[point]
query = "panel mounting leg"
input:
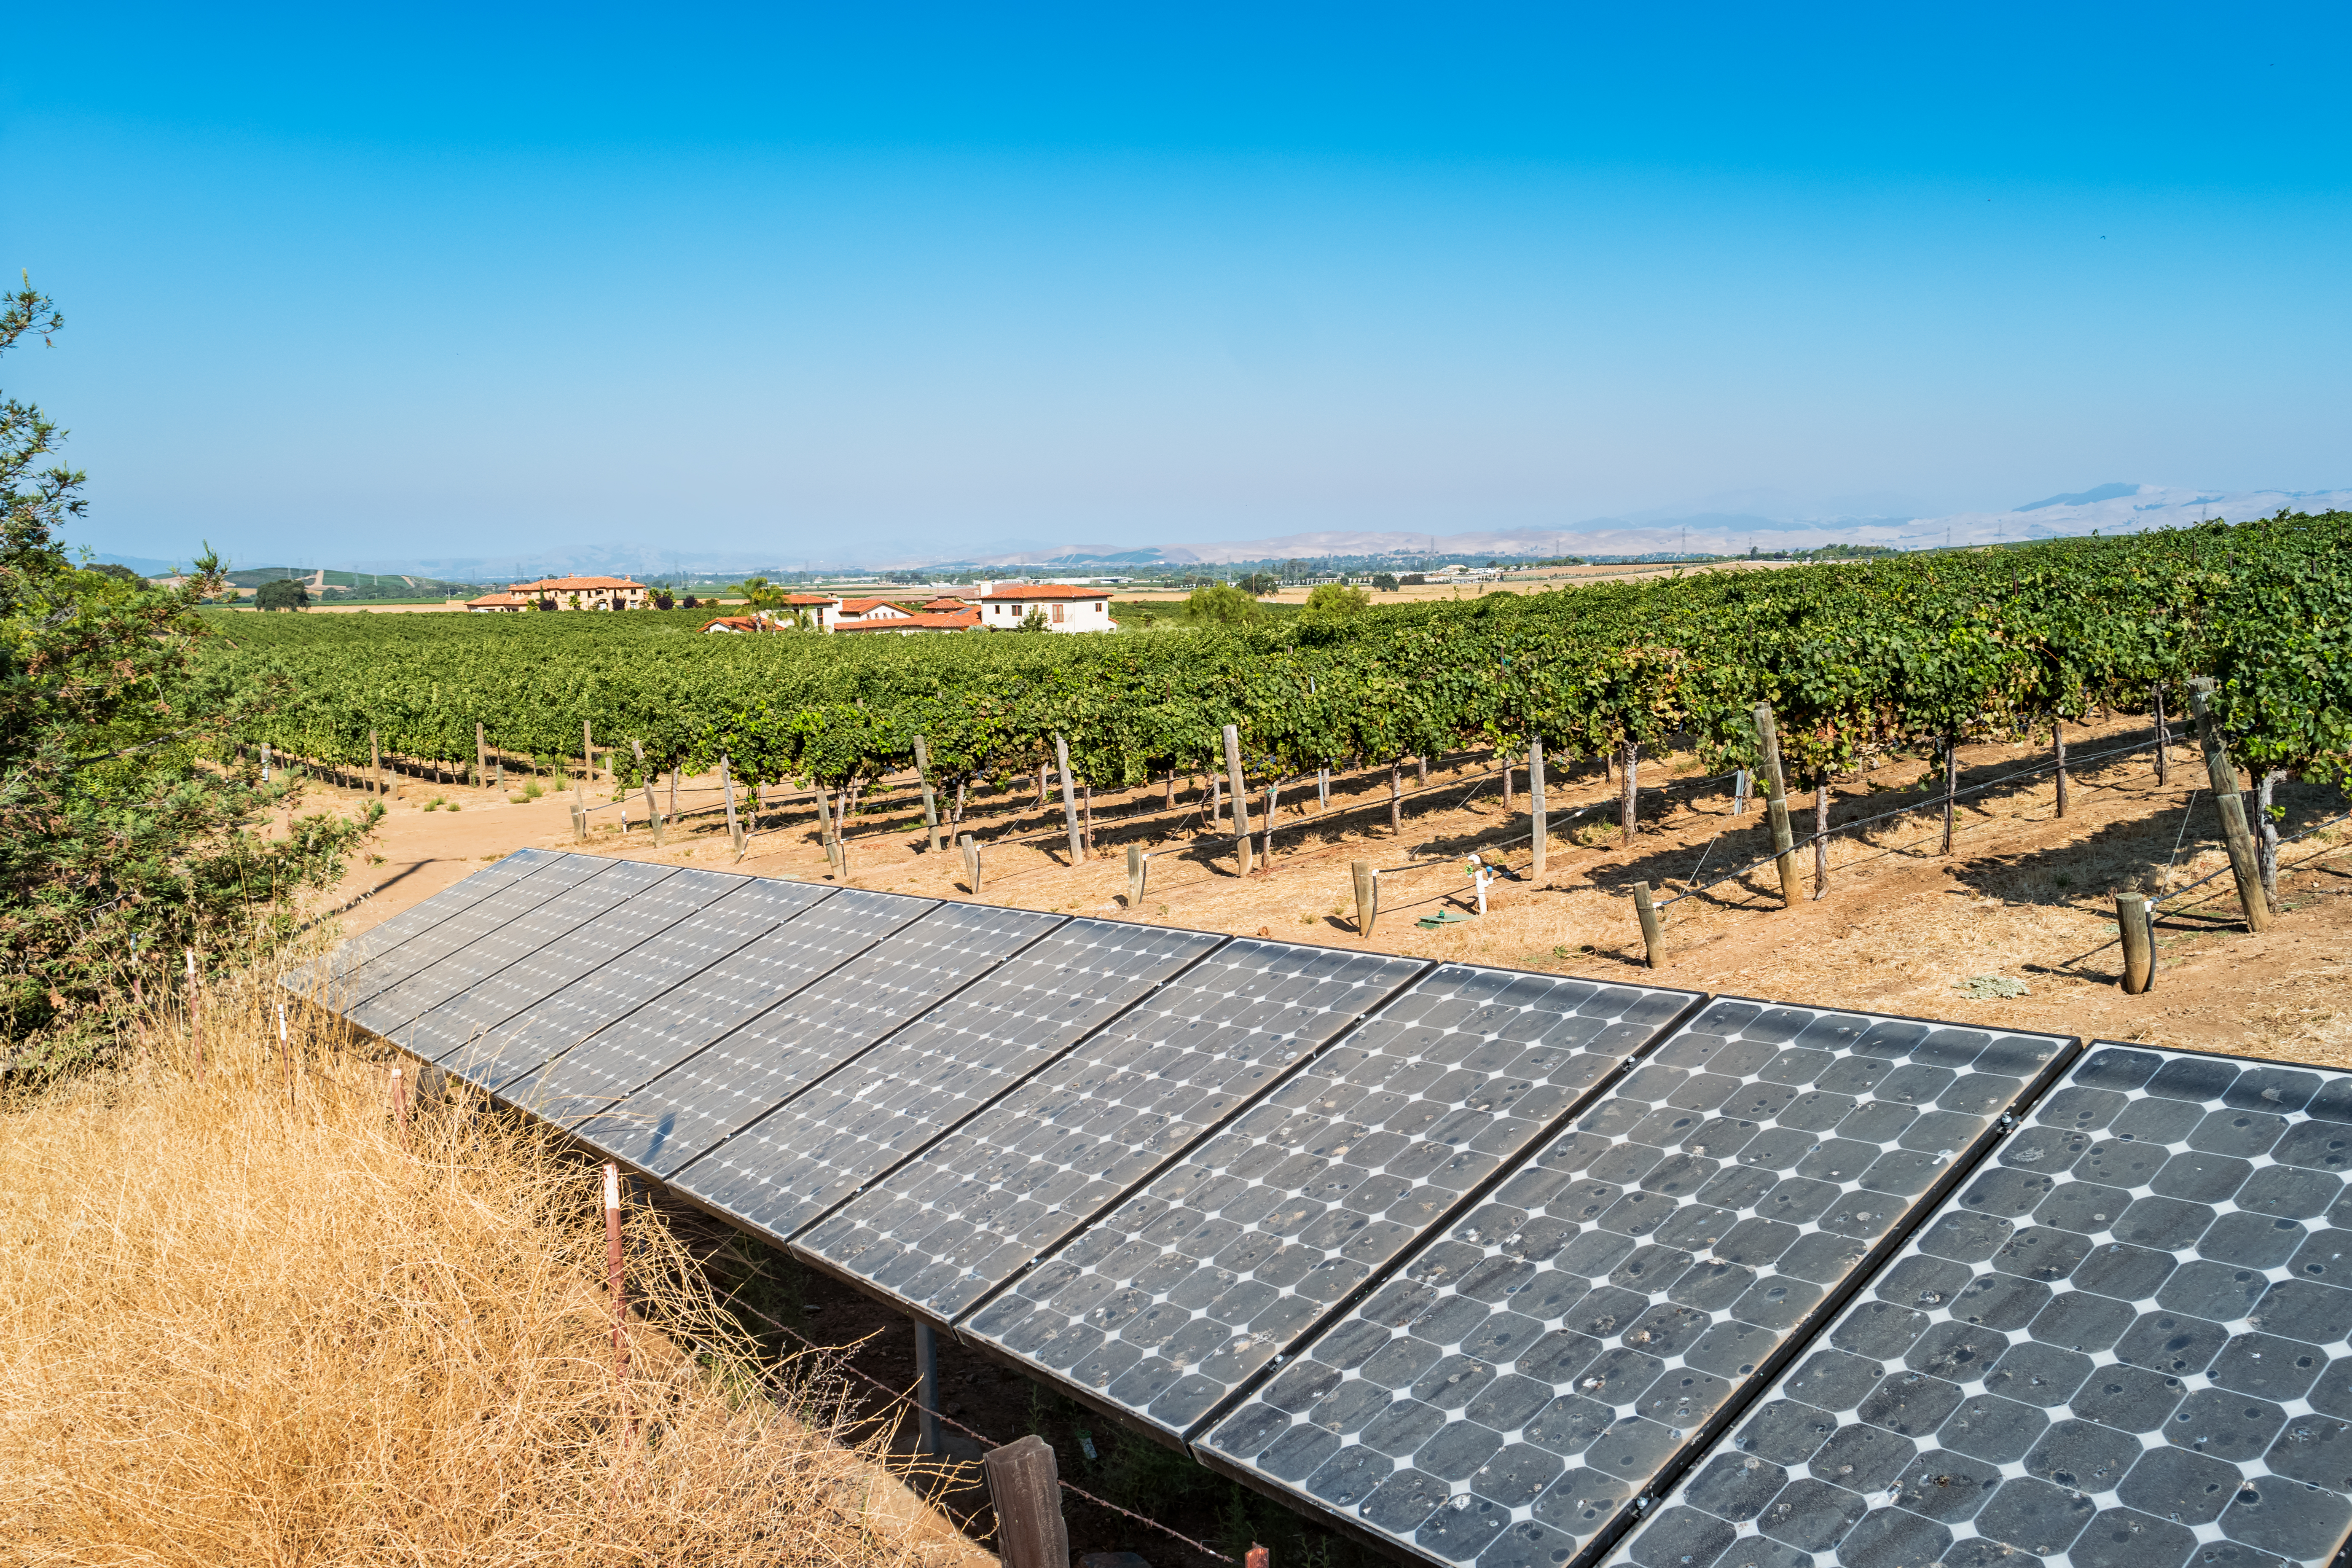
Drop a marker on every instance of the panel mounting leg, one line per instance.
(927, 1388)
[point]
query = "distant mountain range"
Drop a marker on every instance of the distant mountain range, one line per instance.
(2105, 509)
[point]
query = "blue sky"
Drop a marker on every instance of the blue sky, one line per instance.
(850, 282)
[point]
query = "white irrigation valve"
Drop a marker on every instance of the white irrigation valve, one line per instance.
(1481, 873)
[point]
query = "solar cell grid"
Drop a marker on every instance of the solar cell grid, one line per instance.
(373, 976)
(509, 937)
(469, 1033)
(2127, 1339)
(697, 1105)
(820, 1147)
(333, 972)
(1507, 1395)
(983, 1201)
(1187, 1290)
(586, 1086)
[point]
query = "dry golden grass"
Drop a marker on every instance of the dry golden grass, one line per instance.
(244, 1326)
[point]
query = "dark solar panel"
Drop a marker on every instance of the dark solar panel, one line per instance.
(469, 1033)
(2126, 1340)
(583, 1088)
(509, 901)
(692, 1109)
(982, 1203)
(602, 1000)
(1528, 1373)
(509, 939)
(1169, 1303)
(327, 979)
(823, 1145)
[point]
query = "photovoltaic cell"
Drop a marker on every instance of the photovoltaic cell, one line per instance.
(600, 1010)
(821, 1146)
(694, 1107)
(469, 1033)
(1184, 1292)
(509, 939)
(327, 979)
(2126, 1340)
(1528, 1373)
(509, 902)
(982, 1203)
(589, 1085)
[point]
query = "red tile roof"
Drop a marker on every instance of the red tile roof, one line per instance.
(868, 606)
(951, 621)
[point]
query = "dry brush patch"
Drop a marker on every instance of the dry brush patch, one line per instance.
(245, 1324)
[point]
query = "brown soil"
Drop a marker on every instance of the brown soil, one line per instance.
(2026, 895)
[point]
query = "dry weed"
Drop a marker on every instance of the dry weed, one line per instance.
(245, 1325)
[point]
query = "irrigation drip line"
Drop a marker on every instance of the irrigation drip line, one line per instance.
(834, 1355)
(1933, 803)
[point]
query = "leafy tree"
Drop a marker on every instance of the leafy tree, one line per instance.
(285, 594)
(691, 603)
(120, 572)
(664, 601)
(1336, 602)
(1384, 581)
(1220, 605)
(128, 827)
(1257, 585)
(1035, 621)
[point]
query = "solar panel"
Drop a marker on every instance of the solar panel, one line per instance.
(496, 939)
(982, 1203)
(326, 979)
(1528, 1373)
(1187, 1290)
(821, 1146)
(696, 1106)
(509, 901)
(467, 1034)
(2127, 1339)
(583, 1088)
(602, 1000)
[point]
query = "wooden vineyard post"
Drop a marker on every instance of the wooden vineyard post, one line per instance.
(838, 803)
(1240, 796)
(1273, 798)
(2139, 941)
(1137, 863)
(2058, 741)
(1367, 896)
(1396, 798)
(1069, 799)
(971, 846)
(727, 784)
(1776, 803)
(1628, 792)
(375, 764)
(481, 757)
(1653, 940)
(1322, 789)
(1421, 763)
(2244, 867)
(930, 803)
(1087, 816)
(1539, 824)
(1027, 1491)
(644, 778)
(580, 811)
(1951, 783)
(1821, 834)
(587, 752)
(1504, 759)
(2156, 702)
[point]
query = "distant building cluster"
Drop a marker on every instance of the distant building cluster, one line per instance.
(997, 606)
(565, 594)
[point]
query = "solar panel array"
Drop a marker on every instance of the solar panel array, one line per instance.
(1506, 1396)
(1477, 1264)
(2127, 1339)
